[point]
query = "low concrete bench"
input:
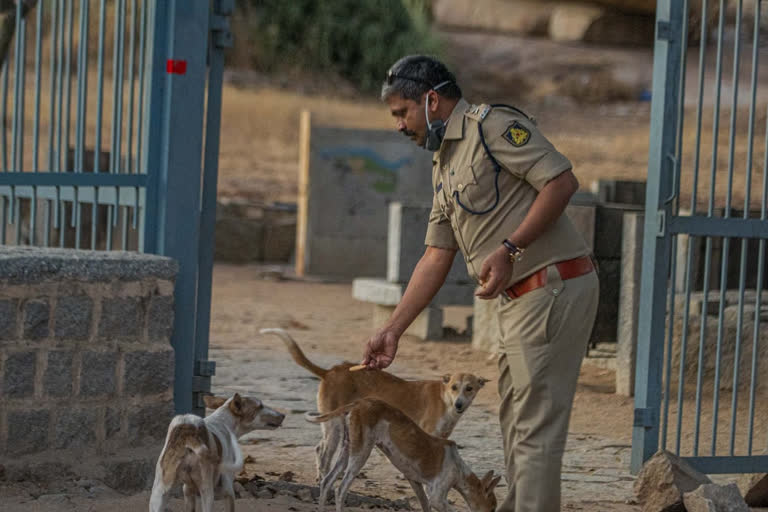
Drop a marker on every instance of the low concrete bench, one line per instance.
(407, 229)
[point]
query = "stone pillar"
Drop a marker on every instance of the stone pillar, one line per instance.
(629, 302)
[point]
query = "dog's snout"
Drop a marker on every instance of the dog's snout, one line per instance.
(459, 405)
(276, 419)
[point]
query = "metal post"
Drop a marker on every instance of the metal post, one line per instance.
(173, 161)
(657, 240)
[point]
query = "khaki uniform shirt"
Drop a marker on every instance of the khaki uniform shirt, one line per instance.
(471, 213)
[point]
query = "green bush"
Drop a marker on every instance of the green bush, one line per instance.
(358, 39)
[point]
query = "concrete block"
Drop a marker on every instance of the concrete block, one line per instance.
(385, 293)
(583, 219)
(427, 326)
(32, 265)
(72, 318)
(485, 325)
(406, 231)
(149, 421)
(238, 240)
(279, 239)
(629, 302)
(8, 314)
(36, 319)
(27, 431)
(725, 498)
(98, 373)
(121, 318)
(19, 378)
(608, 226)
(57, 381)
(626, 192)
(663, 481)
(112, 423)
(74, 429)
(160, 317)
(148, 373)
(129, 476)
(353, 176)
(606, 322)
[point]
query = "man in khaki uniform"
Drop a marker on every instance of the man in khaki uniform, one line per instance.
(500, 191)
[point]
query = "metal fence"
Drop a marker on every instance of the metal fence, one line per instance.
(111, 112)
(72, 144)
(702, 335)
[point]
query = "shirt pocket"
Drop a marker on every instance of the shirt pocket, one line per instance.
(475, 189)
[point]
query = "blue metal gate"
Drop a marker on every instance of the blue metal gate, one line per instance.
(123, 157)
(700, 337)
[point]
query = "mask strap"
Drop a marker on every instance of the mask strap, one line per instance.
(426, 100)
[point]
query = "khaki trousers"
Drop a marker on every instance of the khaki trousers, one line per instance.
(543, 338)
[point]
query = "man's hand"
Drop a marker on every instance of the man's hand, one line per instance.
(380, 350)
(495, 274)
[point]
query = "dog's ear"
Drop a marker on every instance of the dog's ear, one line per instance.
(236, 405)
(486, 479)
(446, 378)
(482, 381)
(213, 402)
(490, 486)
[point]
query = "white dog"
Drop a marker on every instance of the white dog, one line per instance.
(201, 452)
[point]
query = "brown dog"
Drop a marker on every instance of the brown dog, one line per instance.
(435, 405)
(424, 460)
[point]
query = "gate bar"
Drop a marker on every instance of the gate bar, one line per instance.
(656, 249)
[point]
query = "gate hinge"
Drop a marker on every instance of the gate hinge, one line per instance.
(220, 32)
(645, 418)
(205, 368)
(661, 223)
(664, 30)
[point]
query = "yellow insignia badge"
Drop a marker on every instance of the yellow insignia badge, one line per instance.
(517, 134)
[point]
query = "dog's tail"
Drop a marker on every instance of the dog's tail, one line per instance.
(296, 352)
(316, 417)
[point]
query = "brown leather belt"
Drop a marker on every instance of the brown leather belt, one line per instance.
(568, 269)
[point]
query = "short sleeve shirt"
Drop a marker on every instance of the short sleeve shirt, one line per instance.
(480, 200)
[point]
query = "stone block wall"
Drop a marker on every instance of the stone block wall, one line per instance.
(86, 365)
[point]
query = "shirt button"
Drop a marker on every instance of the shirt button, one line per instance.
(555, 292)
(460, 187)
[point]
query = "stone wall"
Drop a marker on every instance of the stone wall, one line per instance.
(86, 365)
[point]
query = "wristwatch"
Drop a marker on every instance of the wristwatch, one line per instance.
(515, 252)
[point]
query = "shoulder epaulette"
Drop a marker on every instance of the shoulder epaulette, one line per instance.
(477, 112)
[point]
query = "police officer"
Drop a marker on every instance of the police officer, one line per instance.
(500, 191)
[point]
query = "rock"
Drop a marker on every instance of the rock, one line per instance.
(663, 481)
(524, 17)
(305, 495)
(287, 476)
(715, 498)
(58, 500)
(265, 494)
(239, 489)
(594, 24)
(754, 488)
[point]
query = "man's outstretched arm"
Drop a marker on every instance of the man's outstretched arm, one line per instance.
(427, 278)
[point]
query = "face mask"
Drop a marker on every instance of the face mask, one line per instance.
(436, 128)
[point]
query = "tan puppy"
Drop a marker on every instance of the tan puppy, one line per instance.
(201, 452)
(423, 459)
(435, 405)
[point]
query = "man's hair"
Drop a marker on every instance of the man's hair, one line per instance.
(412, 76)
